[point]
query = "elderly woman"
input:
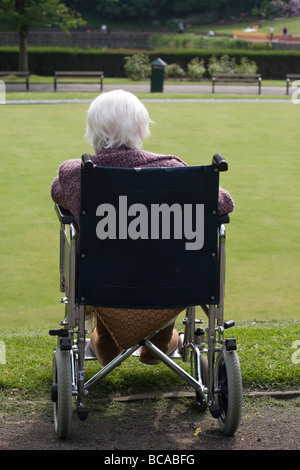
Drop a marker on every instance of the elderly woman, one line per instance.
(117, 124)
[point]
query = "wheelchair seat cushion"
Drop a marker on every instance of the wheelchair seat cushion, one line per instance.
(129, 326)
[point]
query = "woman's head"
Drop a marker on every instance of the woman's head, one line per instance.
(117, 118)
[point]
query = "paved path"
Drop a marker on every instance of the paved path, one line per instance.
(145, 88)
(278, 93)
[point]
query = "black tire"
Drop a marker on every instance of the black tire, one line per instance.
(228, 380)
(62, 384)
(204, 377)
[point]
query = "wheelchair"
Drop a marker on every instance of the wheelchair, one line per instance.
(167, 250)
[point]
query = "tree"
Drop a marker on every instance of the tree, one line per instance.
(21, 15)
(145, 11)
(293, 8)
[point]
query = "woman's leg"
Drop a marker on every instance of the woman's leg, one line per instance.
(103, 344)
(166, 340)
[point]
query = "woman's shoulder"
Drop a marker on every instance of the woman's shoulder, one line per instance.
(130, 158)
(70, 168)
(161, 160)
(73, 164)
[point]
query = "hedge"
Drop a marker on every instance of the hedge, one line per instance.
(44, 61)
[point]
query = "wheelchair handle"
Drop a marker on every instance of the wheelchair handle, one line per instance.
(87, 163)
(220, 162)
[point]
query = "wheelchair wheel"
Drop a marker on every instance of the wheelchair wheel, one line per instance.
(204, 376)
(228, 382)
(61, 393)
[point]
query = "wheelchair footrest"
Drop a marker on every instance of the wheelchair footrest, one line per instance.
(215, 410)
(82, 412)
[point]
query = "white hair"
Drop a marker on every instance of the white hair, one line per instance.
(117, 118)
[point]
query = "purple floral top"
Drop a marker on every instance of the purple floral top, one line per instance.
(65, 189)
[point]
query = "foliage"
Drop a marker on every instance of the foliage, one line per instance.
(137, 66)
(173, 11)
(196, 69)
(246, 66)
(192, 20)
(277, 9)
(293, 8)
(23, 14)
(271, 65)
(196, 41)
(173, 71)
(225, 64)
(169, 12)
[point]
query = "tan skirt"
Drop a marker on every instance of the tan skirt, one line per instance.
(129, 326)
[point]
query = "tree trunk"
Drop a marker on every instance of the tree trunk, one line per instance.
(23, 54)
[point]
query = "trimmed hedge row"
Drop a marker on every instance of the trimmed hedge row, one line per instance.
(44, 61)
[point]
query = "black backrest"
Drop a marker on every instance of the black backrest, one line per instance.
(148, 237)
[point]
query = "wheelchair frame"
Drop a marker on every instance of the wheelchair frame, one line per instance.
(215, 369)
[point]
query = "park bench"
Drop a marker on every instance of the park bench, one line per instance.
(12, 77)
(291, 78)
(78, 75)
(240, 78)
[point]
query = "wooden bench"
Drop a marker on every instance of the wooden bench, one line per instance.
(17, 75)
(240, 78)
(79, 75)
(291, 78)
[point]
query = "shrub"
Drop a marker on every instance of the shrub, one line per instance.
(196, 69)
(196, 41)
(174, 71)
(246, 66)
(293, 8)
(137, 67)
(276, 8)
(272, 65)
(225, 64)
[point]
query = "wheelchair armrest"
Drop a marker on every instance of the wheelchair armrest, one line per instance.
(64, 216)
(223, 219)
(86, 162)
(220, 162)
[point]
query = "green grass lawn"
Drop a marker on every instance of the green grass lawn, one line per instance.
(259, 140)
(292, 24)
(260, 143)
(28, 370)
